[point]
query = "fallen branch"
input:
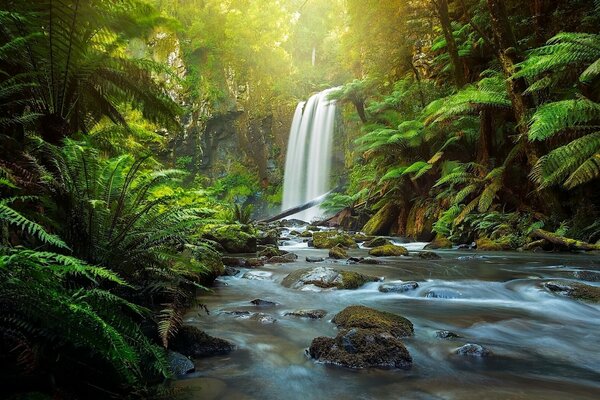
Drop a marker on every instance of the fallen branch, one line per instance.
(290, 211)
(558, 240)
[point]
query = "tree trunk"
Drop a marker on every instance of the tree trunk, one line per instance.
(457, 65)
(486, 131)
(360, 109)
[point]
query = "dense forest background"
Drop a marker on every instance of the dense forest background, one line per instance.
(133, 129)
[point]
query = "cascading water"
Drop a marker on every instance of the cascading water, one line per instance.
(308, 158)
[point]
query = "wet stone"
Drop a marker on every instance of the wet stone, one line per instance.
(231, 271)
(398, 287)
(428, 255)
(314, 259)
(473, 350)
(312, 314)
(446, 335)
(263, 303)
(257, 275)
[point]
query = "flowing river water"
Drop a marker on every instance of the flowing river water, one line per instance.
(544, 346)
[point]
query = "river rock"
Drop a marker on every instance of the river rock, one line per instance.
(486, 244)
(439, 243)
(326, 277)
(428, 255)
(312, 314)
(233, 261)
(585, 275)
(231, 271)
(367, 338)
(234, 238)
(473, 350)
(388, 250)
(369, 261)
(378, 241)
(270, 251)
(179, 364)
(263, 303)
(192, 342)
(446, 335)
(338, 253)
(398, 287)
(329, 239)
(207, 263)
(575, 290)
(252, 316)
(254, 262)
(268, 237)
(443, 293)
(287, 258)
(314, 259)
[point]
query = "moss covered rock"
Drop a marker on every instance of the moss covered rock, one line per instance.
(377, 242)
(486, 244)
(361, 348)
(233, 238)
(338, 253)
(382, 221)
(439, 242)
(329, 239)
(325, 277)
(388, 250)
(369, 318)
(575, 290)
(270, 251)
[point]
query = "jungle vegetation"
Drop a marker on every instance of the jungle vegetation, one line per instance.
(463, 118)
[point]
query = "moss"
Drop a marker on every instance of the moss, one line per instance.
(354, 280)
(378, 241)
(327, 240)
(382, 221)
(207, 262)
(575, 290)
(369, 318)
(388, 250)
(270, 251)
(338, 253)
(439, 242)
(306, 234)
(487, 244)
(234, 238)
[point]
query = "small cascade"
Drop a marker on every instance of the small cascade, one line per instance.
(308, 158)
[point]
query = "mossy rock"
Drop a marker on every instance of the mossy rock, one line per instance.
(382, 221)
(575, 290)
(388, 250)
(270, 251)
(439, 242)
(329, 239)
(306, 234)
(192, 342)
(378, 241)
(233, 238)
(361, 348)
(486, 244)
(338, 253)
(326, 277)
(369, 318)
(206, 262)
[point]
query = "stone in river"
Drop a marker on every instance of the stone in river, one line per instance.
(398, 287)
(314, 259)
(473, 350)
(446, 335)
(312, 314)
(263, 303)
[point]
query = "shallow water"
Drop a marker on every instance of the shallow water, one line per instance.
(544, 346)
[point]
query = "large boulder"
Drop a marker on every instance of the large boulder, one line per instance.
(179, 364)
(234, 238)
(378, 241)
(326, 277)
(367, 338)
(329, 239)
(388, 250)
(486, 244)
(192, 342)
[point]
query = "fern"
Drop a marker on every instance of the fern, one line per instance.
(553, 118)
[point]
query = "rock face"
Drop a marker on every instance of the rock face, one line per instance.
(312, 314)
(473, 350)
(233, 238)
(367, 338)
(398, 287)
(388, 250)
(378, 241)
(325, 277)
(329, 239)
(439, 242)
(575, 290)
(193, 342)
(338, 253)
(179, 364)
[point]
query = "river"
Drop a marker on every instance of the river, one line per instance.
(544, 346)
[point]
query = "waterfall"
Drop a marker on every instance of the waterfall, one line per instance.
(308, 157)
